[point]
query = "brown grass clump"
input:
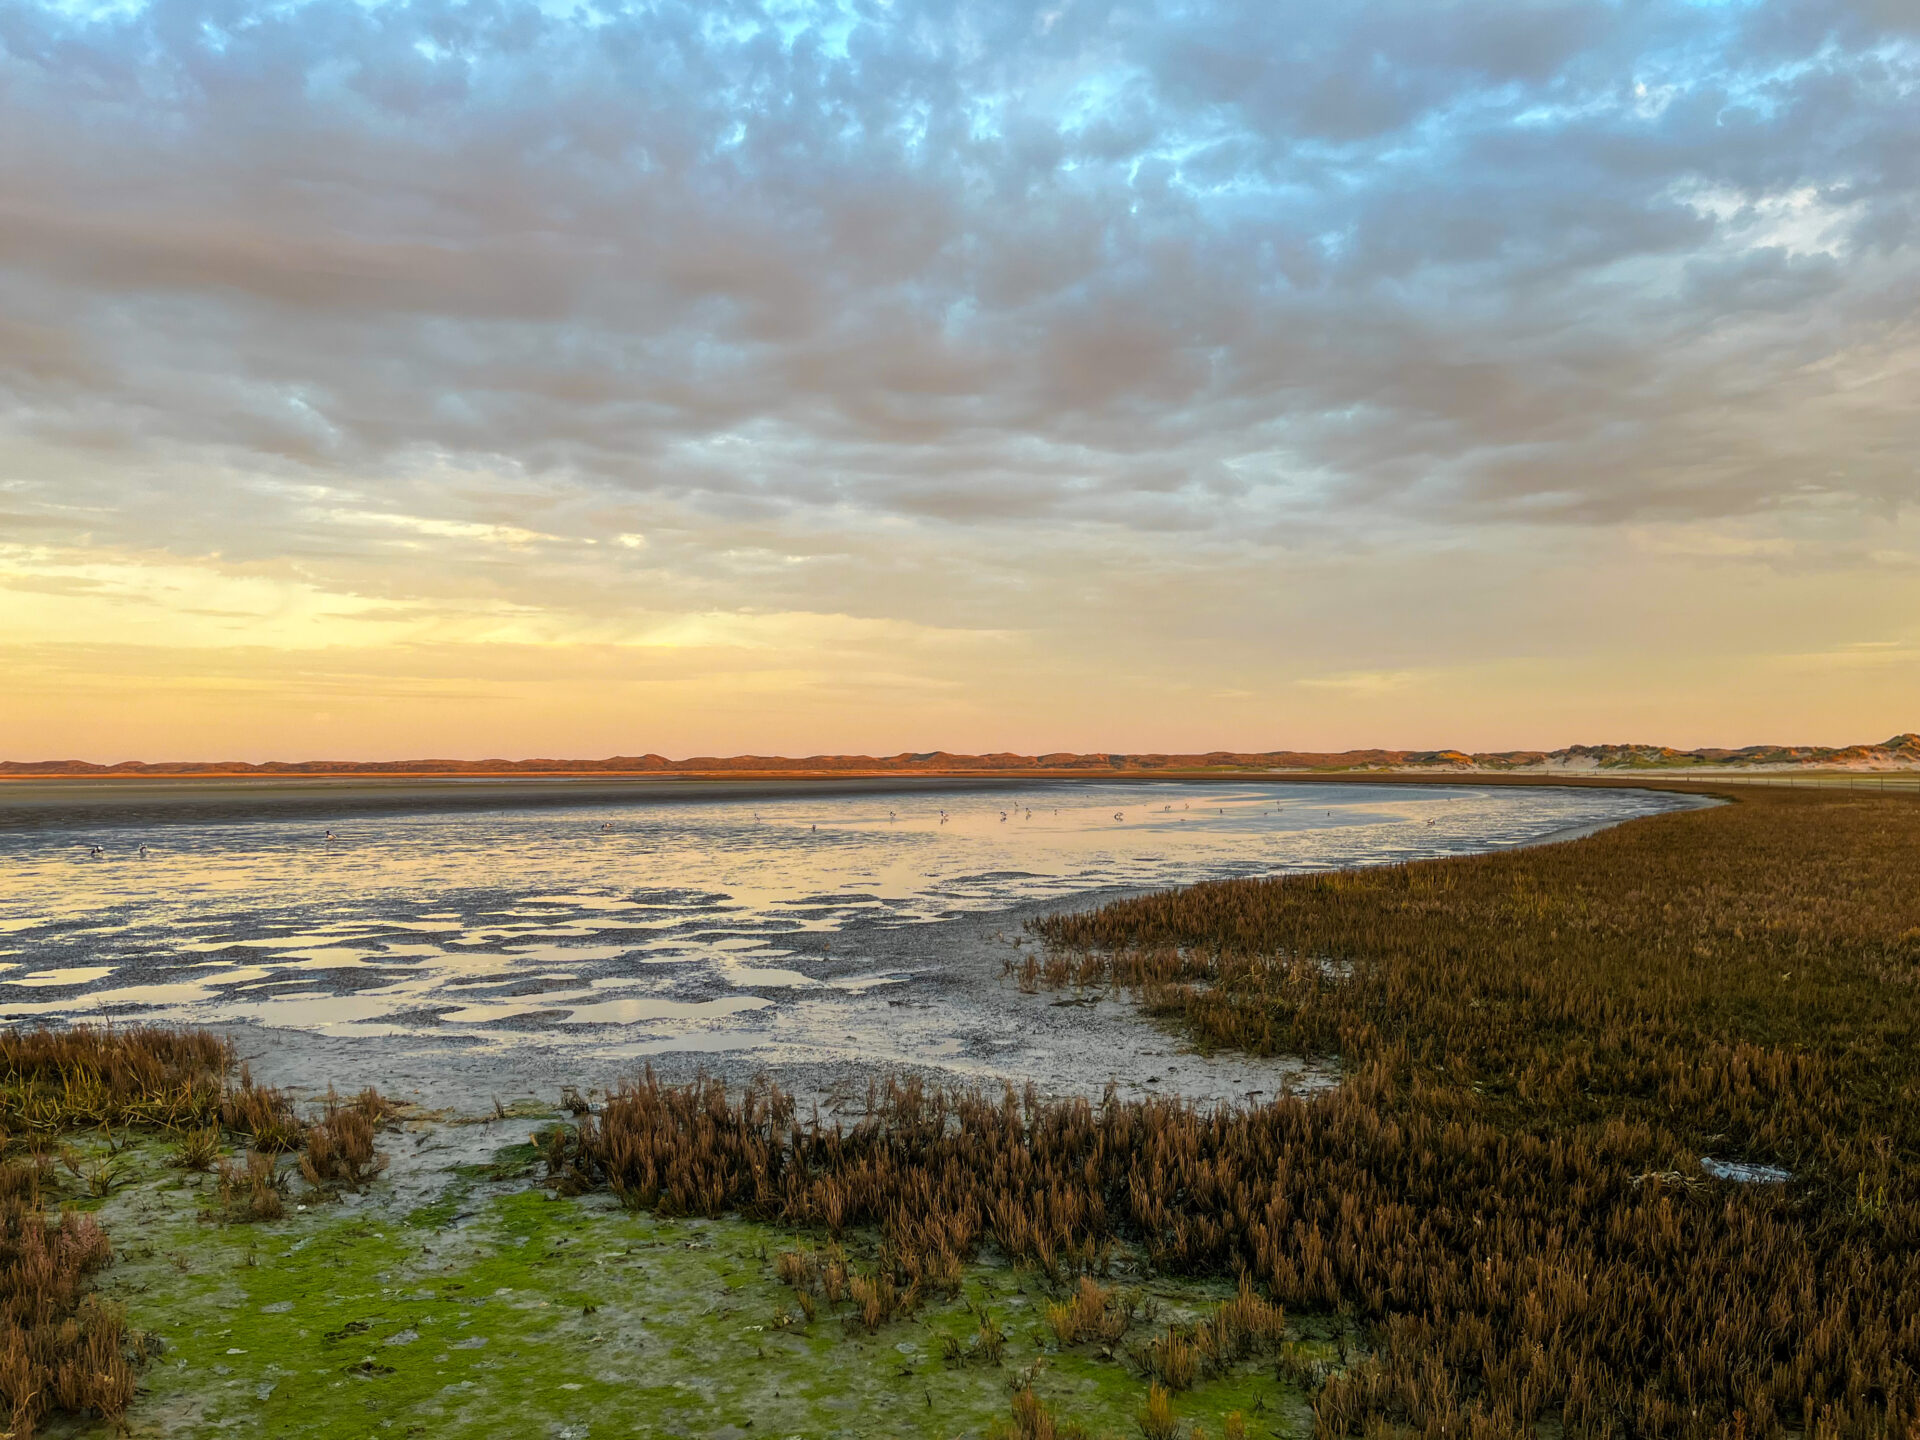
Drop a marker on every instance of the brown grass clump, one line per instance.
(340, 1145)
(53, 1081)
(60, 1348)
(1172, 1359)
(1242, 1328)
(1157, 1420)
(251, 1191)
(1094, 1313)
(1033, 1420)
(875, 1300)
(795, 1268)
(198, 1150)
(265, 1115)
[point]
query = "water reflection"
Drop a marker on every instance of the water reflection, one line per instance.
(700, 924)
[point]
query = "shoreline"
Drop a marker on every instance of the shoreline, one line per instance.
(953, 969)
(69, 802)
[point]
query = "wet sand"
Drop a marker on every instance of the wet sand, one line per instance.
(1061, 1042)
(987, 1033)
(944, 1007)
(40, 804)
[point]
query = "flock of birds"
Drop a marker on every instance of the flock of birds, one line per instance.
(95, 852)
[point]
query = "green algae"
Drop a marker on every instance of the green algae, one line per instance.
(495, 1308)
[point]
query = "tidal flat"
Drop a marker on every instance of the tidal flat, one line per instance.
(487, 939)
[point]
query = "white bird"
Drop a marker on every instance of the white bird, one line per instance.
(93, 850)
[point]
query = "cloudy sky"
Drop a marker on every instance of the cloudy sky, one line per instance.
(513, 378)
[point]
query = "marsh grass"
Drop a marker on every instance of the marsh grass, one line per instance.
(1096, 1314)
(266, 1116)
(57, 1081)
(198, 1150)
(1157, 1418)
(1033, 1419)
(339, 1147)
(1506, 1193)
(60, 1347)
(247, 1190)
(1242, 1328)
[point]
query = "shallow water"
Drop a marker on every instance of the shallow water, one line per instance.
(643, 928)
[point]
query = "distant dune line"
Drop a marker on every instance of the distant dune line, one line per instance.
(1902, 752)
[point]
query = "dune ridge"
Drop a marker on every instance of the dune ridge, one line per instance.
(1901, 752)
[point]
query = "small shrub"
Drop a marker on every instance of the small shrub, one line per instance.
(339, 1147)
(59, 1347)
(198, 1150)
(265, 1115)
(1172, 1359)
(1032, 1420)
(252, 1191)
(796, 1268)
(1157, 1420)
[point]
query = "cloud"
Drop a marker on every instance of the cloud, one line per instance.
(968, 269)
(964, 317)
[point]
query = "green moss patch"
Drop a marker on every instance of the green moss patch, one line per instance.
(497, 1309)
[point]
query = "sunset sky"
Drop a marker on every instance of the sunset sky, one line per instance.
(477, 379)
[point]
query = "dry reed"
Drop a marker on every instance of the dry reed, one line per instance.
(1539, 1048)
(61, 1348)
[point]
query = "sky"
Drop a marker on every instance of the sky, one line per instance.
(477, 377)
